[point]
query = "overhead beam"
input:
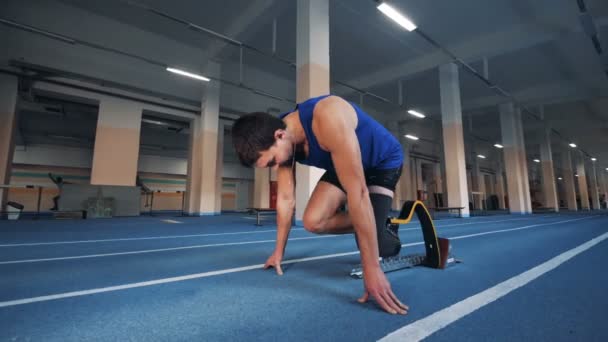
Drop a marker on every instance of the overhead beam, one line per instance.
(486, 46)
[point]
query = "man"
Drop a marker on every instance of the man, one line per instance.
(363, 164)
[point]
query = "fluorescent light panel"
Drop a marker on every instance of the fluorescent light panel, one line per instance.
(411, 137)
(573, 145)
(481, 156)
(498, 146)
(536, 161)
(416, 114)
(593, 159)
(397, 17)
(559, 178)
(188, 74)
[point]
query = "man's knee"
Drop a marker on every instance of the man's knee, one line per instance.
(313, 223)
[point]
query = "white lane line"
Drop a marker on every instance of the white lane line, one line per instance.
(423, 328)
(210, 273)
(140, 238)
(31, 244)
(171, 221)
(88, 256)
(100, 255)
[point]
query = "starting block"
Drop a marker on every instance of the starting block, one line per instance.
(438, 250)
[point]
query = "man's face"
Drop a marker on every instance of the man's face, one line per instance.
(279, 154)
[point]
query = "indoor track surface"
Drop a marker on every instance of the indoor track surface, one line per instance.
(523, 278)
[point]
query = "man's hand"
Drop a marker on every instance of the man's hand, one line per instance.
(379, 288)
(275, 261)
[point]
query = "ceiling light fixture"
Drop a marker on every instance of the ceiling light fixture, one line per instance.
(498, 146)
(416, 114)
(188, 74)
(397, 17)
(411, 137)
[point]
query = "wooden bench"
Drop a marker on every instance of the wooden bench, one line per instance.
(259, 212)
(448, 209)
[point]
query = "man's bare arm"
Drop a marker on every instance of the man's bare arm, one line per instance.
(286, 203)
(336, 122)
(285, 208)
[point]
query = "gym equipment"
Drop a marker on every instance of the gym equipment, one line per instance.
(437, 249)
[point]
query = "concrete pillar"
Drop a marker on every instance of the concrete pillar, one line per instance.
(548, 175)
(261, 191)
(393, 127)
(524, 160)
(453, 141)
(582, 181)
(202, 161)
(443, 170)
(438, 180)
(312, 79)
(478, 184)
(219, 167)
(408, 190)
(500, 184)
(418, 176)
(593, 187)
(604, 186)
(116, 151)
(8, 124)
(568, 177)
(516, 179)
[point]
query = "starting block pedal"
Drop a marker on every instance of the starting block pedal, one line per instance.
(400, 262)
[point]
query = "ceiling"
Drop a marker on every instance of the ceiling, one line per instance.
(535, 50)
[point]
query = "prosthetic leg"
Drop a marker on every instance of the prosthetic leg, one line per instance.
(437, 249)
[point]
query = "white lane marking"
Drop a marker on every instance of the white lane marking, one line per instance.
(424, 327)
(172, 221)
(206, 274)
(31, 244)
(88, 256)
(141, 238)
(100, 255)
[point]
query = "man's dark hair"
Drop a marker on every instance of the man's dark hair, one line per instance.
(253, 133)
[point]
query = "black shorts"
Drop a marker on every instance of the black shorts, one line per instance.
(387, 178)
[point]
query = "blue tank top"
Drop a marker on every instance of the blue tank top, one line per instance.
(379, 148)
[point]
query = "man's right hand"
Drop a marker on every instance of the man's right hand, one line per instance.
(275, 261)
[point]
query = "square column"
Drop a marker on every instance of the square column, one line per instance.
(523, 160)
(8, 123)
(312, 79)
(408, 191)
(500, 185)
(261, 188)
(593, 188)
(582, 182)
(393, 127)
(603, 186)
(477, 183)
(568, 177)
(510, 124)
(116, 151)
(453, 140)
(548, 175)
(202, 179)
(219, 167)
